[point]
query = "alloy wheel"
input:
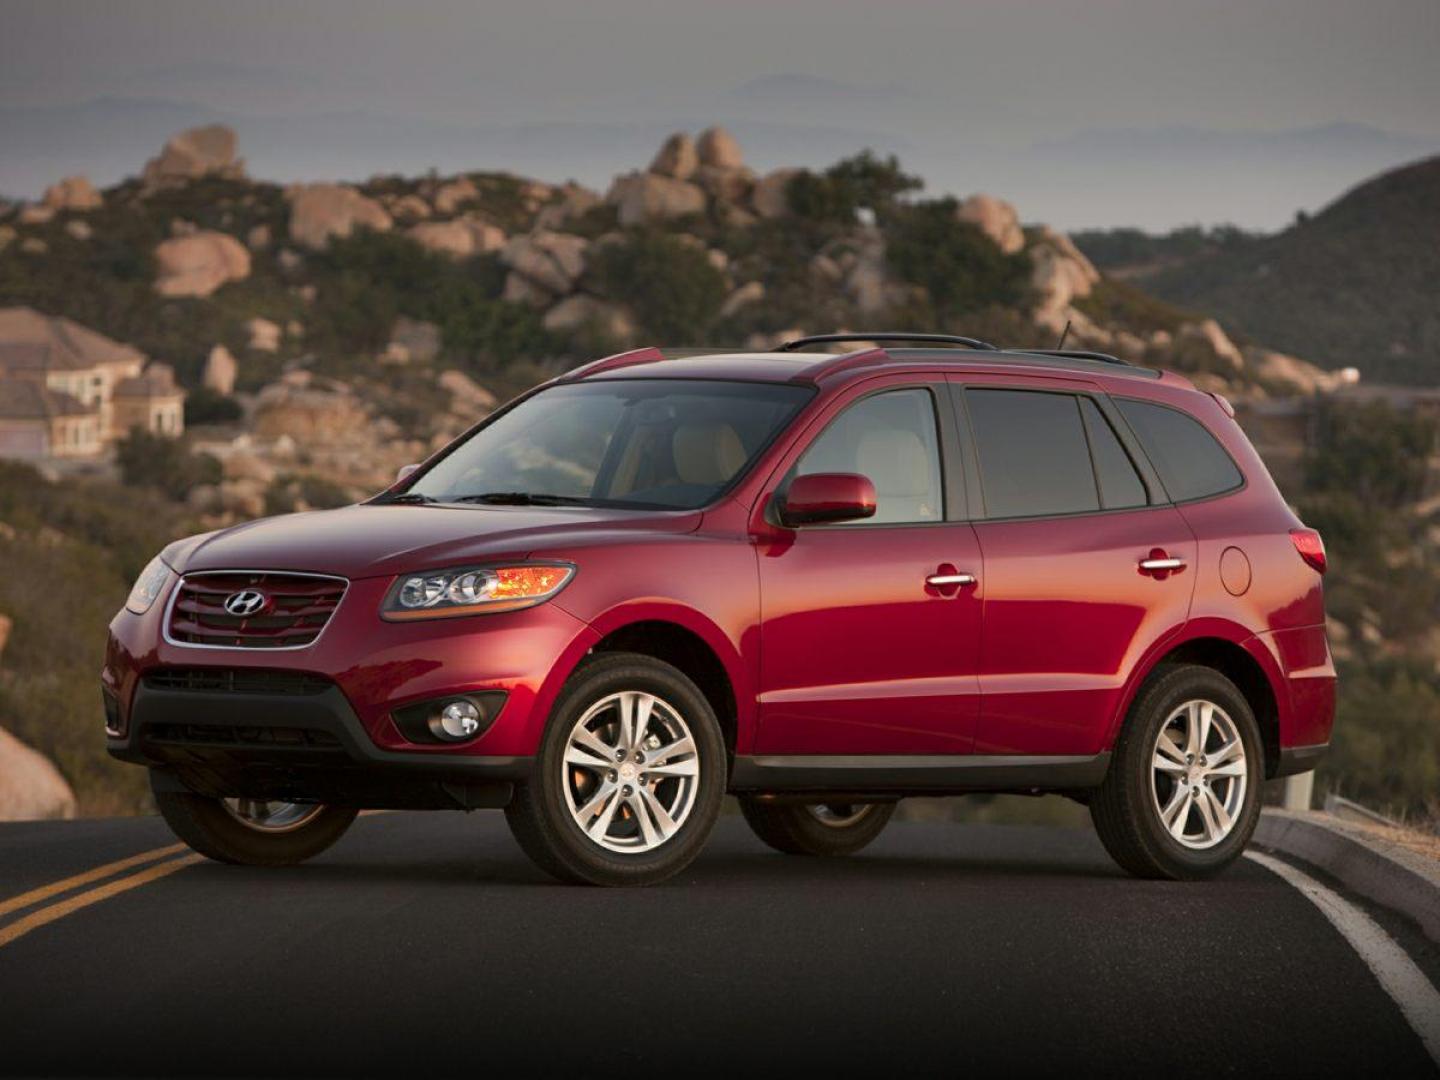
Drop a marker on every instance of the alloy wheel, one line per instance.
(1198, 774)
(631, 772)
(272, 815)
(840, 815)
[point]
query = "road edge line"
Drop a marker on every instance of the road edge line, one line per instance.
(87, 877)
(46, 915)
(1383, 874)
(1398, 975)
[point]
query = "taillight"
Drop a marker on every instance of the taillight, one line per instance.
(1310, 546)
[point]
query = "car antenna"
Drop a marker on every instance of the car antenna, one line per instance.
(1063, 335)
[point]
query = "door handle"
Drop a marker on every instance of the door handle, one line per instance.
(950, 579)
(1150, 566)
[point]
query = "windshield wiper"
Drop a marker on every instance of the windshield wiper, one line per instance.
(409, 497)
(521, 498)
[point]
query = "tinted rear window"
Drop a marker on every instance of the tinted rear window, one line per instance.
(1191, 463)
(1034, 460)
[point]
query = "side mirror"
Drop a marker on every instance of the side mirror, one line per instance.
(404, 471)
(825, 498)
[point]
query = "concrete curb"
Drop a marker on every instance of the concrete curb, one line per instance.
(1371, 866)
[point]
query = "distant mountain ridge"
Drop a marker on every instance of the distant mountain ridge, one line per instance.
(1357, 284)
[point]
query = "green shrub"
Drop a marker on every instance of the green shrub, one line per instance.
(1386, 748)
(206, 406)
(959, 266)
(671, 286)
(168, 465)
(1376, 452)
(862, 181)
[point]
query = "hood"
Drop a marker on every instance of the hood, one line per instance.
(371, 541)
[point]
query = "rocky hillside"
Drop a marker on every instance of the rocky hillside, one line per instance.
(1354, 285)
(329, 333)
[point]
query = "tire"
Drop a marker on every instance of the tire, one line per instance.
(1130, 808)
(219, 833)
(628, 843)
(818, 829)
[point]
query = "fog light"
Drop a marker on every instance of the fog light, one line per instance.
(457, 720)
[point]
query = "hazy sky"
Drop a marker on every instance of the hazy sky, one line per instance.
(978, 93)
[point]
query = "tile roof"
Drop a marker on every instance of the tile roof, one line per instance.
(22, 399)
(57, 343)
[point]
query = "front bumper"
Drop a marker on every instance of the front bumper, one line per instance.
(308, 746)
(339, 741)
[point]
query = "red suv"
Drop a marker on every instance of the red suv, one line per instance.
(821, 582)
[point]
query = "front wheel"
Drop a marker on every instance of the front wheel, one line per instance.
(1182, 796)
(629, 777)
(252, 832)
(816, 828)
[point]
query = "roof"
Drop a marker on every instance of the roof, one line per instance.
(157, 380)
(813, 367)
(58, 344)
(22, 399)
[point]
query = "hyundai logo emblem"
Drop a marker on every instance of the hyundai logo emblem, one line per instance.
(246, 602)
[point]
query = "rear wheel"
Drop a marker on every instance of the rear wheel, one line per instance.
(253, 832)
(629, 777)
(1182, 796)
(816, 828)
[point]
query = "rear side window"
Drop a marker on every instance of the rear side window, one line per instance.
(1120, 484)
(1034, 457)
(1191, 463)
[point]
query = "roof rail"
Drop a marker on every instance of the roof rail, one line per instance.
(647, 355)
(940, 339)
(1077, 354)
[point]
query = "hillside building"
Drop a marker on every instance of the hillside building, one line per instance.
(69, 392)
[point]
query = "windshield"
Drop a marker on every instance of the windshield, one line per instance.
(643, 443)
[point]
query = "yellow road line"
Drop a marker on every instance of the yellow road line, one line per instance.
(44, 892)
(46, 915)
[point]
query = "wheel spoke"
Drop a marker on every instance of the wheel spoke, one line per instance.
(1206, 805)
(601, 825)
(1232, 749)
(595, 802)
(1169, 758)
(684, 767)
(1234, 768)
(647, 827)
(588, 750)
(1217, 809)
(663, 819)
(1207, 720)
(1177, 811)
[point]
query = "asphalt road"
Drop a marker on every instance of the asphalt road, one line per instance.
(427, 944)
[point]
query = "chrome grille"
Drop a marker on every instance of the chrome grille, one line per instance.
(297, 609)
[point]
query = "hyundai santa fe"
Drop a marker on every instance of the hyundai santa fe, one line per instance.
(819, 581)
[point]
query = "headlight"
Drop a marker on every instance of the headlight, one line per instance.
(148, 587)
(474, 590)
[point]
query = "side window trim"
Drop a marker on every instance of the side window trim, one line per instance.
(945, 437)
(1129, 441)
(1155, 494)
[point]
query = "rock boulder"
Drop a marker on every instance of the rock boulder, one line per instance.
(642, 197)
(198, 264)
(677, 157)
(320, 211)
(31, 788)
(201, 151)
(73, 193)
(220, 371)
(717, 148)
(997, 219)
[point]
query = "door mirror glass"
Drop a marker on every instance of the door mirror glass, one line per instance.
(827, 498)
